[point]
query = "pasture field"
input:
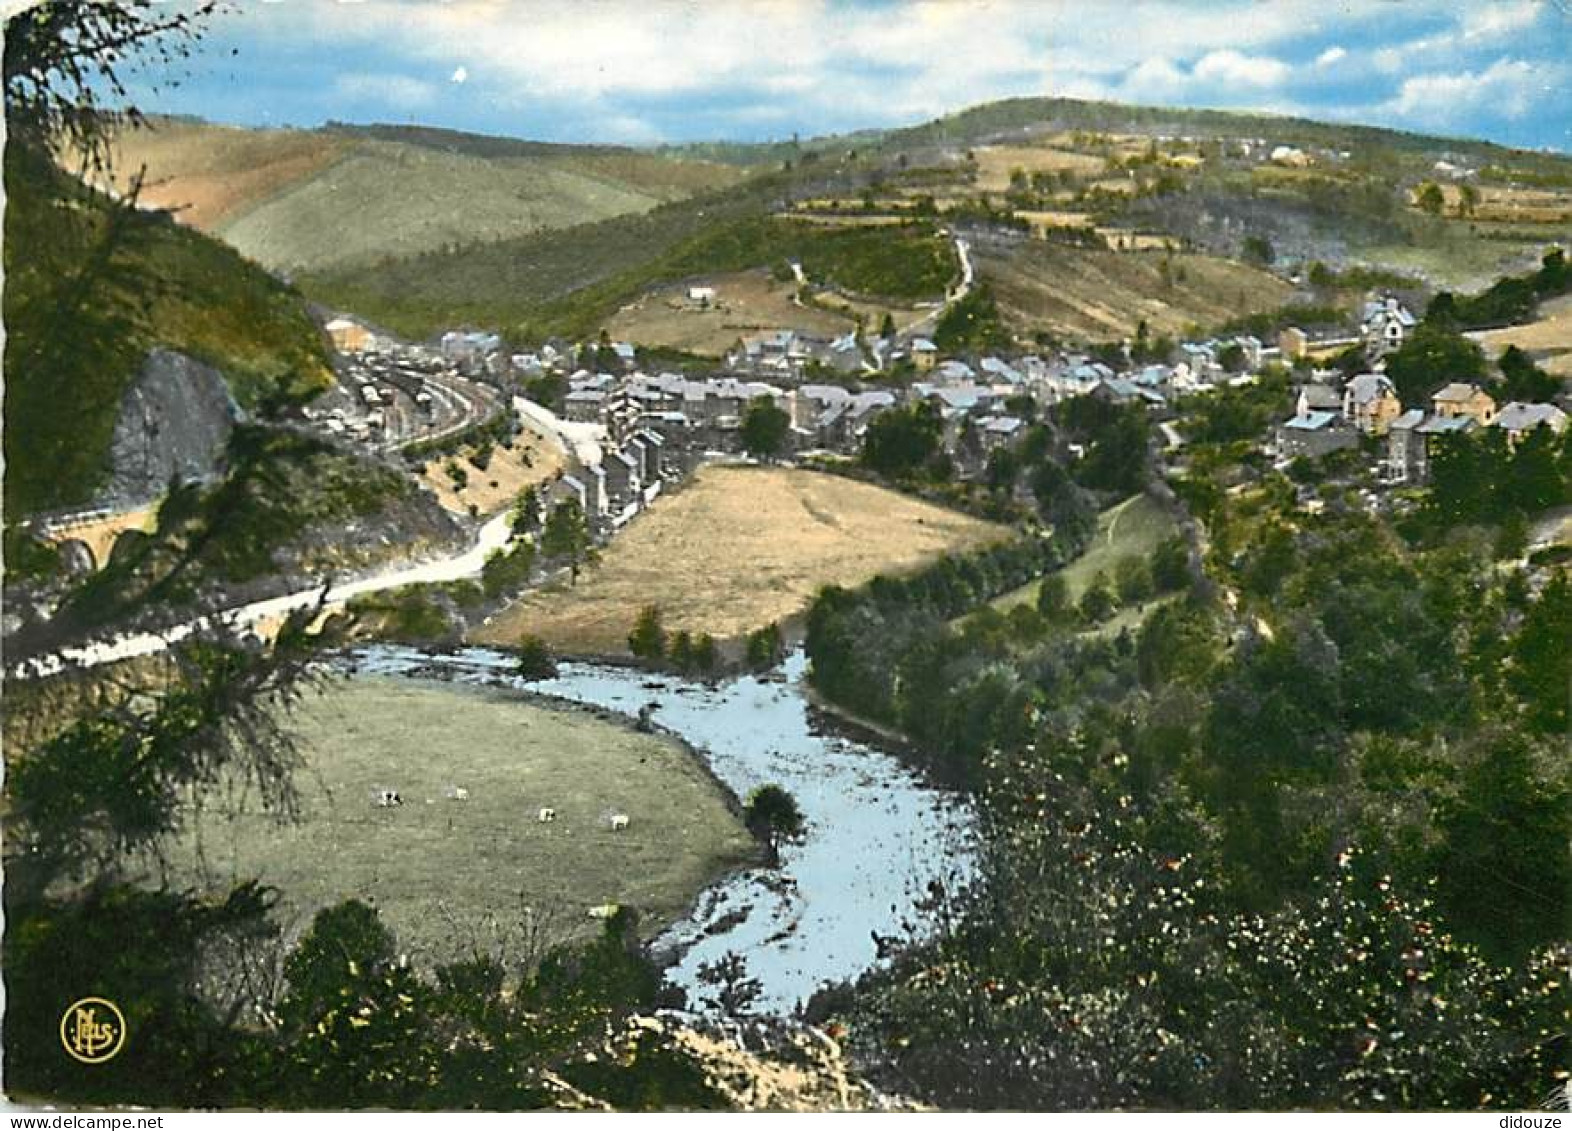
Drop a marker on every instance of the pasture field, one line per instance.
(1132, 529)
(447, 874)
(736, 548)
(1548, 338)
(1514, 205)
(995, 163)
(746, 302)
(1101, 295)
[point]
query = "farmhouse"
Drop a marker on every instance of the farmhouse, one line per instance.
(1517, 419)
(997, 431)
(1370, 403)
(1316, 397)
(1387, 324)
(1412, 440)
(1313, 435)
(584, 405)
(1461, 399)
(349, 336)
(468, 346)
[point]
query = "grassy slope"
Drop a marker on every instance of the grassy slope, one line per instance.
(572, 281)
(298, 200)
(1017, 114)
(1132, 529)
(165, 285)
(1101, 295)
(737, 548)
(435, 863)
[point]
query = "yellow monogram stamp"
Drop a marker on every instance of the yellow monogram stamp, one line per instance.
(93, 1030)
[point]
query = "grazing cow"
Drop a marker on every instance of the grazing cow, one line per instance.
(459, 793)
(619, 821)
(547, 815)
(388, 798)
(603, 911)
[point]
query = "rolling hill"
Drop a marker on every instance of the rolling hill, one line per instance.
(299, 200)
(532, 238)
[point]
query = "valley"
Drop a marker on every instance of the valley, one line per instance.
(1059, 606)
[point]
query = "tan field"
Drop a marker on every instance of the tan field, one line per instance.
(447, 873)
(1100, 295)
(1549, 338)
(1122, 239)
(852, 220)
(995, 163)
(1051, 219)
(1124, 186)
(1513, 205)
(532, 459)
(736, 548)
(746, 302)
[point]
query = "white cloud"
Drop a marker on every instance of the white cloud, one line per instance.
(1154, 80)
(931, 55)
(634, 66)
(1234, 68)
(1492, 21)
(1508, 88)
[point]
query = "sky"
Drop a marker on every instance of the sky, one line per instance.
(652, 71)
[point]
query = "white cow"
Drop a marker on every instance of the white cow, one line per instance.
(388, 798)
(547, 815)
(603, 911)
(619, 821)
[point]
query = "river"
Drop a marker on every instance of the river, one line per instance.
(877, 831)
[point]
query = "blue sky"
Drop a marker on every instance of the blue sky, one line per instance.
(680, 70)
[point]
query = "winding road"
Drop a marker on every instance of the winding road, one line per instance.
(467, 563)
(958, 294)
(581, 440)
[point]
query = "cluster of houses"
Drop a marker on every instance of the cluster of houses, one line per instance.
(696, 414)
(1331, 415)
(659, 424)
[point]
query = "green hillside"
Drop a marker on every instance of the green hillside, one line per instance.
(568, 280)
(510, 284)
(298, 200)
(89, 288)
(1178, 180)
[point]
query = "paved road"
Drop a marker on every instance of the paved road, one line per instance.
(467, 563)
(961, 290)
(580, 439)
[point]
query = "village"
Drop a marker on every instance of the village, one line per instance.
(625, 431)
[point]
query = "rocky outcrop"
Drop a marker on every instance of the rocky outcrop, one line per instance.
(174, 422)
